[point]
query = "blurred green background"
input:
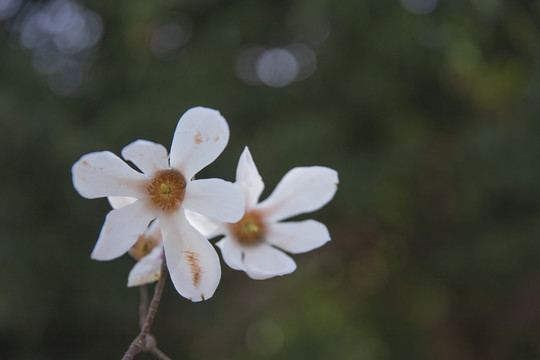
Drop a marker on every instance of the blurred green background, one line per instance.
(429, 110)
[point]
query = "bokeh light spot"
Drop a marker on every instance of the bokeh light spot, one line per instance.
(277, 67)
(167, 38)
(62, 36)
(8, 8)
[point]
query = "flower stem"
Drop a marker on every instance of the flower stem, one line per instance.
(159, 354)
(139, 343)
(143, 306)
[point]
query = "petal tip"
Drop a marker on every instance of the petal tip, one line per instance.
(97, 257)
(199, 298)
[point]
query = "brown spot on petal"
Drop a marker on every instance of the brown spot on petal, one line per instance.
(193, 262)
(85, 163)
(198, 138)
(216, 139)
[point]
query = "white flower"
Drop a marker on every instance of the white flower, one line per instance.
(251, 244)
(147, 251)
(163, 190)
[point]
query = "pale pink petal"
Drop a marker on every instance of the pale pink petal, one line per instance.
(200, 136)
(232, 253)
(148, 156)
(102, 174)
(302, 190)
(297, 237)
(148, 269)
(192, 261)
(120, 201)
(263, 261)
(248, 179)
(216, 198)
(207, 226)
(122, 228)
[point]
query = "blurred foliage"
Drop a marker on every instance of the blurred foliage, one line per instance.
(432, 121)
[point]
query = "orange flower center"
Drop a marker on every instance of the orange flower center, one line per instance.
(250, 229)
(167, 189)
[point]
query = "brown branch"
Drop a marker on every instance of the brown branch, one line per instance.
(159, 354)
(140, 342)
(143, 306)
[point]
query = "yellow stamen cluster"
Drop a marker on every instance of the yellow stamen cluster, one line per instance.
(167, 189)
(250, 229)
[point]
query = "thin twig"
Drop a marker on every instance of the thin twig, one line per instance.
(159, 354)
(138, 344)
(143, 306)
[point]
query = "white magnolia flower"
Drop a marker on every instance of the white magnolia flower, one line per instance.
(147, 251)
(252, 244)
(163, 190)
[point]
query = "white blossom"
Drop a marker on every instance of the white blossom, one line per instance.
(255, 243)
(164, 189)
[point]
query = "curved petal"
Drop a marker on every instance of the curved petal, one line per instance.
(248, 179)
(263, 262)
(102, 174)
(192, 261)
(208, 227)
(216, 198)
(232, 253)
(148, 269)
(120, 201)
(301, 190)
(297, 236)
(121, 229)
(200, 136)
(148, 156)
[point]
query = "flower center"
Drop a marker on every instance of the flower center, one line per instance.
(167, 189)
(250, 229)
(142, 247)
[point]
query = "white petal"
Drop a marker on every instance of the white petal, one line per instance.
(148, 156)
(232, 253)
(154, 231)
(263, 261)
(192, 261)
(148, 269)
(207, 226)
(301, 190)
(200, 136)
(120, 201)
(248, 179)
(121, 229)
(216, 198)
(102, 174)
(297, 236)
